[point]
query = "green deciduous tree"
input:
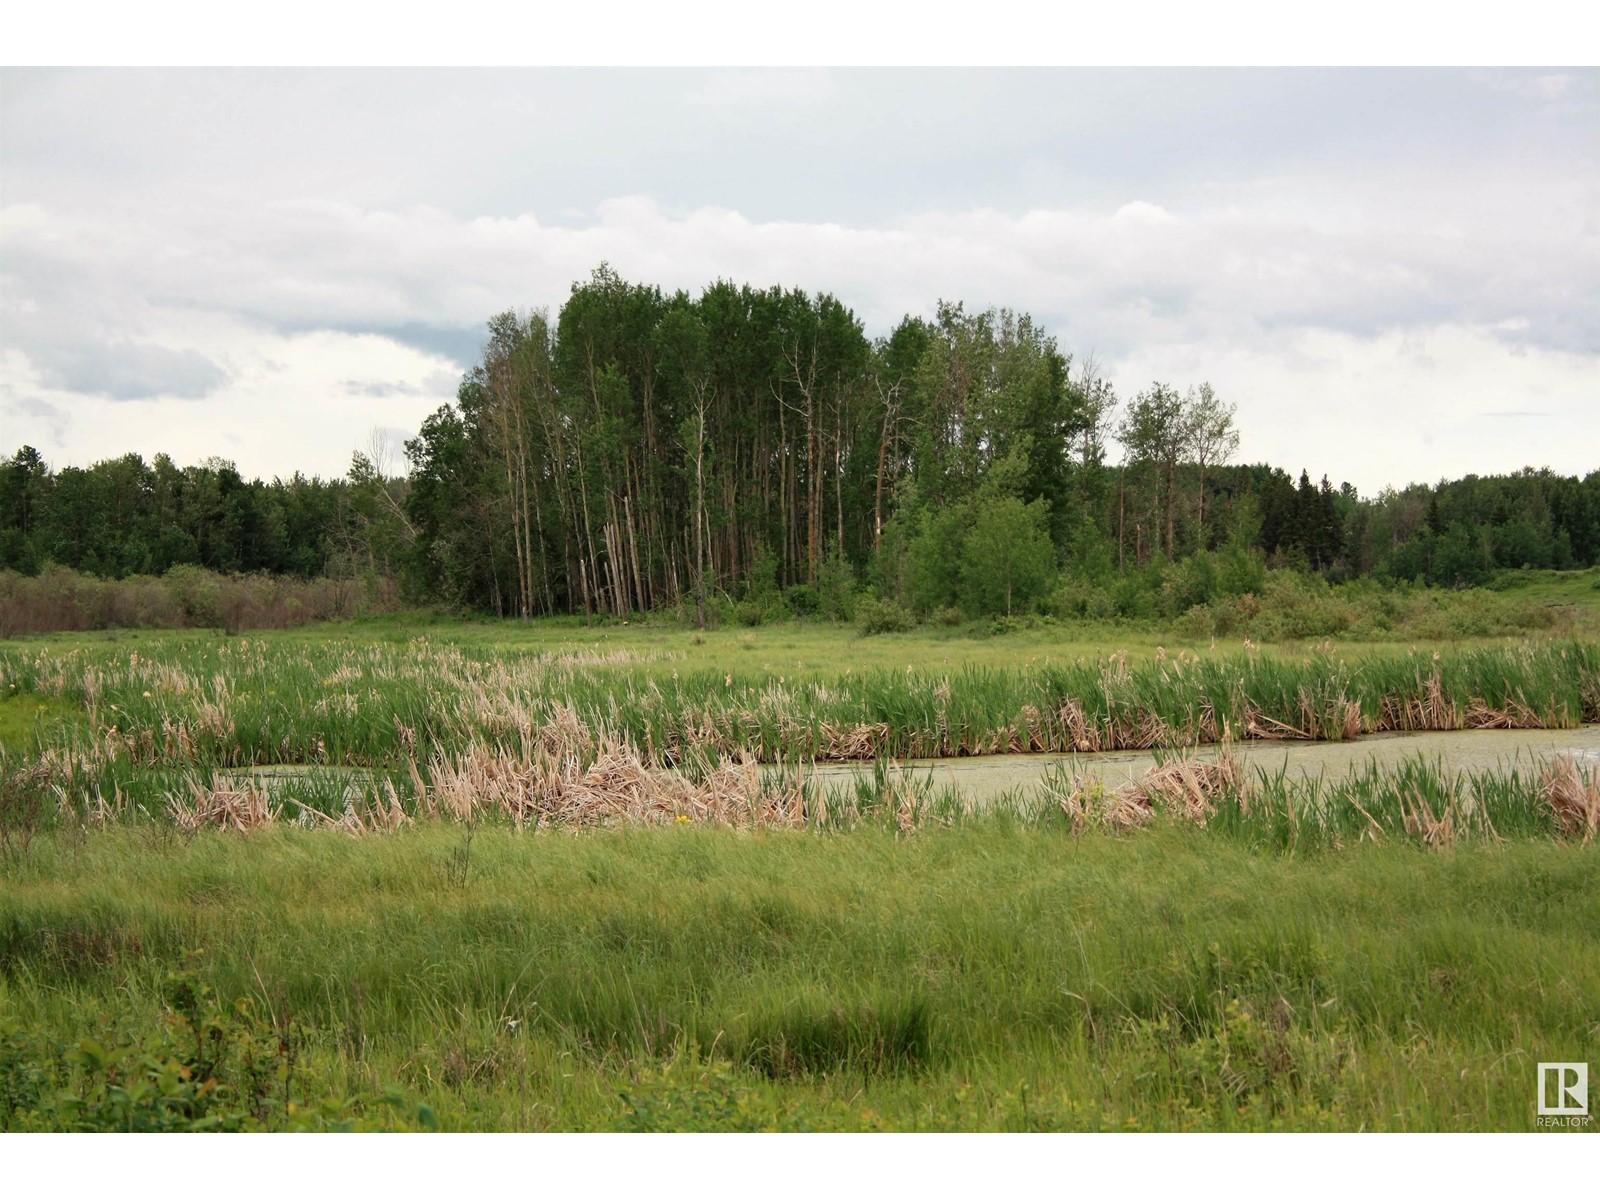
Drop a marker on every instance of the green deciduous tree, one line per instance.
(1007, 559)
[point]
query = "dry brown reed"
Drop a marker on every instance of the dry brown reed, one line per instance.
(1572, 794)
(1516, 715)
(852, 743)
(1427, 710)
(1441, 829)
(1188, 787)
(617, 787)
(1184, 787)
(224, 805)
(365, 814)
(1089, 804)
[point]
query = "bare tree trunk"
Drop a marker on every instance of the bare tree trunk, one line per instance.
(504, 380)
(838, 476)
(891, 407)
(1169, 498)
(1122, 543)
(633, 545)
(700, 513)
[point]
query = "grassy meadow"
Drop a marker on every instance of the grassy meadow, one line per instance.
(414, 873)
(999, 977)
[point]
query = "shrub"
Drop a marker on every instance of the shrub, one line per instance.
(803, 600)
(63, 600)
(1189, 582)
(210, 1066)
(1135, 594)
(836, 588)
(883, 616)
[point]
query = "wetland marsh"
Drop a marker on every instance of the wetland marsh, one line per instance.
(421, 882)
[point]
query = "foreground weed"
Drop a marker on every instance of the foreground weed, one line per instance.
(206, 1067)
(26, 803)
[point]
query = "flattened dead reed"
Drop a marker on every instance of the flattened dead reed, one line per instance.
(1572, 794)
(223, 805)
(1187, 787)
(617, 787)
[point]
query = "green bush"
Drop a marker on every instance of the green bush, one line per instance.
(1188, 582)
(803, 600)
(1293, 606)
(836, 588)
(1136, 593)
(883, 616)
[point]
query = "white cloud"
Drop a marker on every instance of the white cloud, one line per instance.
(286, 407)
(1397, 408)
(1140, 210)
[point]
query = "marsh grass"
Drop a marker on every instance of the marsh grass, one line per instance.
(367, 737)
(422, 714)
(992, 975)
(593, 888)
(1417, 800)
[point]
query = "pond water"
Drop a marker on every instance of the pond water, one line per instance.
(983, 778)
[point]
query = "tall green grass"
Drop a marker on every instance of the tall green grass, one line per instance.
(998, 975)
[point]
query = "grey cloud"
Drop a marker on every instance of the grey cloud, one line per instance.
(132, 371)
(800, 86)
(1352, 200)
(42, 413)
(435, 383)
(427, 279)
(460, 346)
(857, 146)
(378, 389)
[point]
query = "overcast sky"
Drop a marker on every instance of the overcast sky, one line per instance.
(1394, 274)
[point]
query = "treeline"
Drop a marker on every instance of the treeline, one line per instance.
(645, 450)
(125, 517)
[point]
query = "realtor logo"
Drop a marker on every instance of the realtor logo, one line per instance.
(1563, 1089)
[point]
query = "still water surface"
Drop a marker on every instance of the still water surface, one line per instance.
(1475, 749)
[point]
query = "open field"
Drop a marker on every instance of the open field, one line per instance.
(1294, 614)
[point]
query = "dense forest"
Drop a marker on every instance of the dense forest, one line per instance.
(646, 451)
